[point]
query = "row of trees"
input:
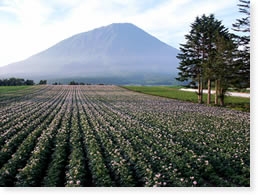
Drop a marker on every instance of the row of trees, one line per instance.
(15, 82)
(19, 81)
(42, 82)
(76, 83)
(81, 83)
(212, 55)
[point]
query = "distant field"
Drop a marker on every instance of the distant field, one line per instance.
(109, 136)
(4, 90)
(10, 93)
(236, 103)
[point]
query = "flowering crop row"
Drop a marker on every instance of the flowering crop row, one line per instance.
(55, 171)
(21, 106)
(109, 136)
(18, 153)
(25, 120)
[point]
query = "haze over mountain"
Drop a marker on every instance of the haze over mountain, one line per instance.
(117, 51)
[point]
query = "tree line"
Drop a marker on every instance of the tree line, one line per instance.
(19, 82)
(212, 56)
(15, 82)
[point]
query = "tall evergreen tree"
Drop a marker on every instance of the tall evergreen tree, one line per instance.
(243, 39)
(198, 55)
(193, 55)
(213, 30)
(226, 66)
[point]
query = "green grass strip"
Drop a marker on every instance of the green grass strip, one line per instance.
(174, 92)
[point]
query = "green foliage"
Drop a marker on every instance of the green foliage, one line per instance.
(15, 82)
(210, 54)
(243, 40)
(42, 82)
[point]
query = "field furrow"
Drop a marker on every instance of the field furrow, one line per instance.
(109, 136)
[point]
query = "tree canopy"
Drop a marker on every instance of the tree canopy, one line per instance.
(242, 27)
(15, 82)
(208, 55)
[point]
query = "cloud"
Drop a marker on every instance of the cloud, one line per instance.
(171, 20)
(35, 25)
(28, 12)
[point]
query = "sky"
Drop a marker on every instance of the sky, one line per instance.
(30, 26)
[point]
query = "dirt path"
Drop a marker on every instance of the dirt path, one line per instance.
(236, 94)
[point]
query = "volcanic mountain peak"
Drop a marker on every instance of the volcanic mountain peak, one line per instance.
(111, 50)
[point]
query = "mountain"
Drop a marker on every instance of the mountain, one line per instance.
(121, 51)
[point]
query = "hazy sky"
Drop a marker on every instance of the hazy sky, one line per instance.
(30, 26)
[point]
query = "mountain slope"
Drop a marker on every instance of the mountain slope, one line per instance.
(116, 50)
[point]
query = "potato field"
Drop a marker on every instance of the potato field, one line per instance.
(96, 136)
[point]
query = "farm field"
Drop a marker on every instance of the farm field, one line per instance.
(110, 136)
(175, 92)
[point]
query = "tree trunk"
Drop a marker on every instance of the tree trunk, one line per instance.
(199, 90)
(201, 98)
(209, 92)
(221, 97)
(216, 92)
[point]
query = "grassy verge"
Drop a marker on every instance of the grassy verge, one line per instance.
(14, 91)
(236, 103)
(11, 89)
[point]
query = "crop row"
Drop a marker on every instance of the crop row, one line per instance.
(108, 136)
